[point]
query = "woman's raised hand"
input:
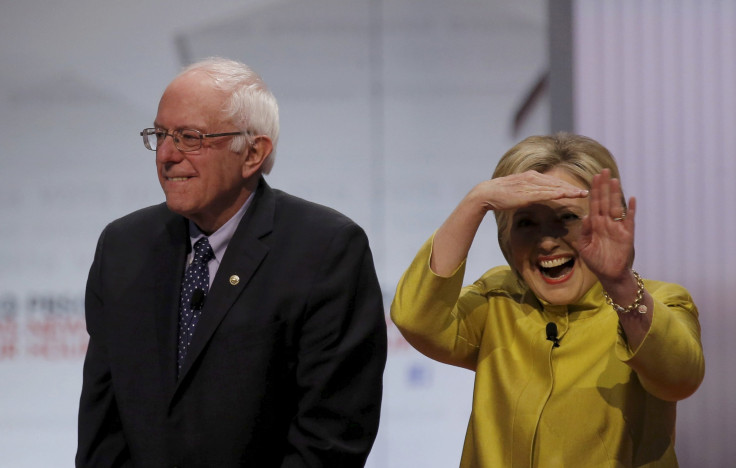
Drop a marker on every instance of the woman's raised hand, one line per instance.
(519, 190)
(606, 243)
(453, 239)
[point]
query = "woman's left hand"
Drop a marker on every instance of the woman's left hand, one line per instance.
(606, 242)
(606, 245)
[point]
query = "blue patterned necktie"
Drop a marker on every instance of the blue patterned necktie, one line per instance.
(193, 292)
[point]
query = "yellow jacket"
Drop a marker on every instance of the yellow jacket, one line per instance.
(591, 402)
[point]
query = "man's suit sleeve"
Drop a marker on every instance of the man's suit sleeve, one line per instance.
(100, 438)
(341, 358)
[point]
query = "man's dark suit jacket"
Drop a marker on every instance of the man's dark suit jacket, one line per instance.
(286, 364)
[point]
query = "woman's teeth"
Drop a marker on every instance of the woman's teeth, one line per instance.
(554, 262)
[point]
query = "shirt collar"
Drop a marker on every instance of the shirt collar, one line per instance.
(587, 306)
(220, 239)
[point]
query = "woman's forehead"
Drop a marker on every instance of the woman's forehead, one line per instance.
(555, 207)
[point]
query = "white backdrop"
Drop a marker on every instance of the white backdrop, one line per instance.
(655, 81)
(391, 111)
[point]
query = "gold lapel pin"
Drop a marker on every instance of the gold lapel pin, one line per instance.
(234, 280)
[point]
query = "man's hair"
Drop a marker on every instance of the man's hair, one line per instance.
(580, 156)
(251, 106)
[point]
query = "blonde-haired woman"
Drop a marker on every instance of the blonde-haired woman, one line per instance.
(579, 361)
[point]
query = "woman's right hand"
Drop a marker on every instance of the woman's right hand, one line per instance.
(518, 190)
(453, 239)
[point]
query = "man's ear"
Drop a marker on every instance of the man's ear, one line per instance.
(256, 154)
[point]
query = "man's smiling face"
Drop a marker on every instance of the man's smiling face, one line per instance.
(207, 185)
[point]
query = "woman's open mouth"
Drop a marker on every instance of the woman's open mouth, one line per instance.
(556, 270)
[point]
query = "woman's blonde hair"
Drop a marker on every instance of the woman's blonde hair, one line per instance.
(580, 156)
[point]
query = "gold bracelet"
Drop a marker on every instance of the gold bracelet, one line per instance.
(637, 305)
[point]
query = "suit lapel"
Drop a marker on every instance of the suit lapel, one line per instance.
(170, 254)
(244, 254)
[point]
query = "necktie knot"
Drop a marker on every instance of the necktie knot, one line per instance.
(203, 251)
